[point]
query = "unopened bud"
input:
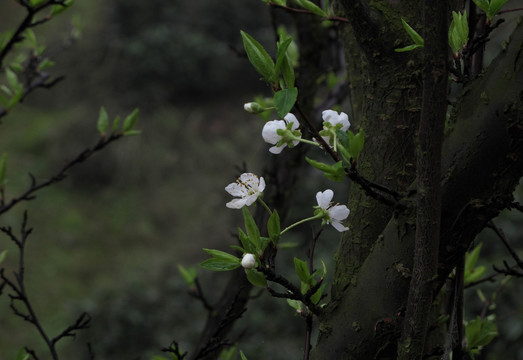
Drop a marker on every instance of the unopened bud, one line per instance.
(253, 108)
(248, 261)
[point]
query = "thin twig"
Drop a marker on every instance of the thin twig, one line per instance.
(60, 175)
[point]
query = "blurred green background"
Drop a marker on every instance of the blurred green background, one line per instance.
(108, 239)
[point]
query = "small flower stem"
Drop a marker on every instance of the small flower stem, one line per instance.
(319, 216)
(265, 205)
(307, 141)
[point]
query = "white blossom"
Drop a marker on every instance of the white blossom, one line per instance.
(288, 126)
(247, 189)
(248, 261)
(331, 119)
(335, 214)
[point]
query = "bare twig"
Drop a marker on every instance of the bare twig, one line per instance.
(60, 175)
(20, 295)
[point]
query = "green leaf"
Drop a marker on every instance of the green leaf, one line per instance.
(458, 31)
(31, 37)
(356, 143)
(495, 6)
(418, 40)
(132, 132)
(284, 100)
(3, 254)
(273, 227)
(256, 278)
(301, 269)
(408, 48)
(216, 264)
(130, 121)
(259, 58)
(472, 257)
(218, 254)
(253, 233)
(316, 297)
(12, 79)
(58, 9)
(116, 123)
(282, 52)
(295, 304)
(22, 355)
(480, 332)
(312, 7)
(287, 71)
(242, 355)
(189, 275)
(247, 245)
(482, 4)
(103, 121)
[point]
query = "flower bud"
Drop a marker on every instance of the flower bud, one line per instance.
(248, 261)
(253, 108)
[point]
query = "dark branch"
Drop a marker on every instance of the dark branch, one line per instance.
(60, 175)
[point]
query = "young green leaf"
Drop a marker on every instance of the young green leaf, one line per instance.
(217, 264)
(418, 40)
(316, 297)
(218, 254)
(259, 58)
(356, 143)
(495, 6)
(282, 52)
(480, 332)
(458, 31)
(189, 275)
(312, 7)
(12, 79)
(302, 270)
(253, 233)
(130, 121)
(284, 100)
(3, 254)
(57, 9)
(22, 355)
(242, 355)
(103, 121)
(256, 278)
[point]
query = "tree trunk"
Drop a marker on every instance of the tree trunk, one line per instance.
(481, 165)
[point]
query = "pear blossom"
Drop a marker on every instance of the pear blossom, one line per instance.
(331, 119)
(247, 189)
(281, 133)
(334, 214)
(248, 261)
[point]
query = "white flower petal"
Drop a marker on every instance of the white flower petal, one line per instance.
(236, 189)
(290, 118)
(339, 212)
(277, 149)
(236, 203)
(339, 226)
(261, 185)
(324, 198)
(269, 131)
